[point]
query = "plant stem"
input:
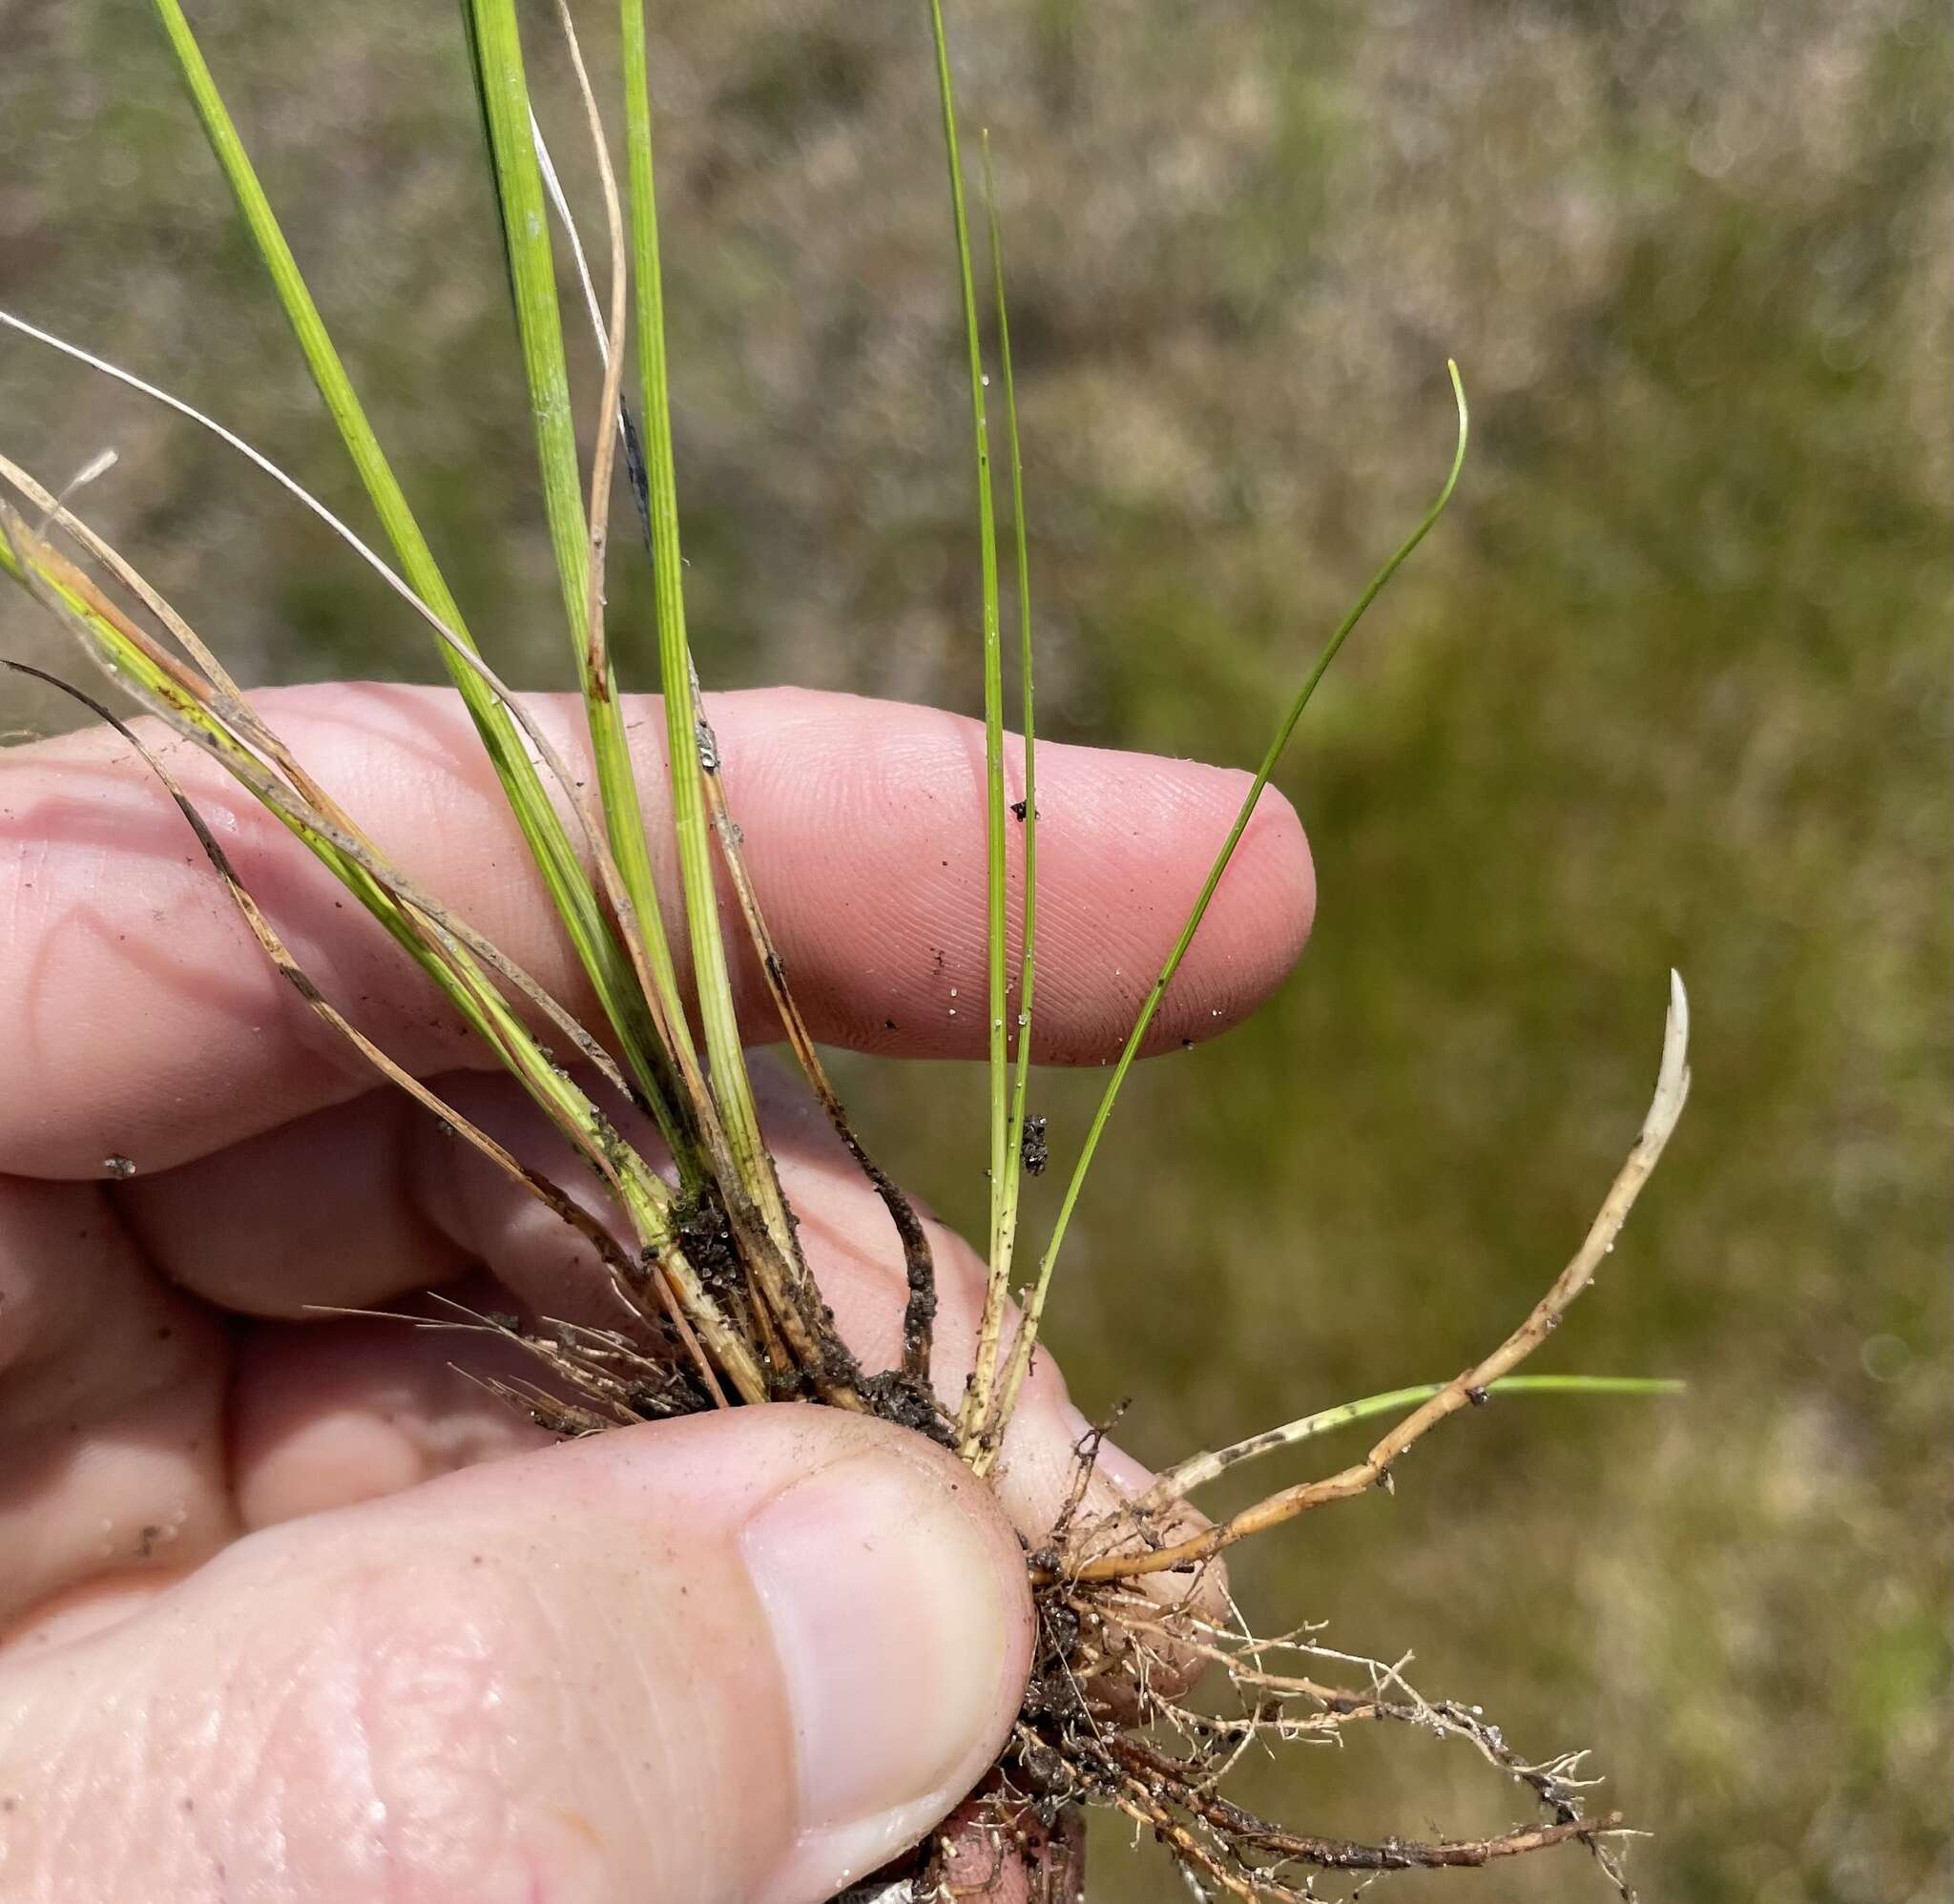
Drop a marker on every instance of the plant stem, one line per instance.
(496, 49)
(684, 733)
(976, 1399)
(1004, 1244)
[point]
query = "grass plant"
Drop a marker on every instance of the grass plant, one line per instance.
(717, 1306)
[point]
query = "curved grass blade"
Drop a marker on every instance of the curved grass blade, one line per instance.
(1027, 1334)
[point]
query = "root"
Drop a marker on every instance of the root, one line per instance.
(1105, 1719)
(1104, 1723)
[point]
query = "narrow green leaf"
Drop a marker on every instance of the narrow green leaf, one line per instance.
(495, 46)
(1027, 1334)
(1006, 1241)
(977, 1396)
(688, 742)
(1200, 1469)
(1389, 1403)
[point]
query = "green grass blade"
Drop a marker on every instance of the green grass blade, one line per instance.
(1006, 1241)
(1021, 1352)
(977, 1396)
(569, 887)
(502, 88)
(687, 741)
(1200, 1469)
(1389, 1403)
(495, 47)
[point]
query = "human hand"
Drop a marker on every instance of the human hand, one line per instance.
(295, 1610)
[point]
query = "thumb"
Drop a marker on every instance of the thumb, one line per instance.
(743, 1658)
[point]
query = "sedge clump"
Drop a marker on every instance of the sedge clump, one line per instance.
(716, 1304)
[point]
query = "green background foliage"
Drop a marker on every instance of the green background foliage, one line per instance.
(1666, 687)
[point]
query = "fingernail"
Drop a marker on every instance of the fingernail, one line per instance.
(897, 1626)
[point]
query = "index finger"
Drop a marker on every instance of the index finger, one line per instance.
(140, 1020)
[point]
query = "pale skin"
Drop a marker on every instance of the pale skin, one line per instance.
(294, 1611)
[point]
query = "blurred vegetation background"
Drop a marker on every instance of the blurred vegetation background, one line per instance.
(1668, 687)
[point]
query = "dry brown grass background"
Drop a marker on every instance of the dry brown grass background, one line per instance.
(1668, 687)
